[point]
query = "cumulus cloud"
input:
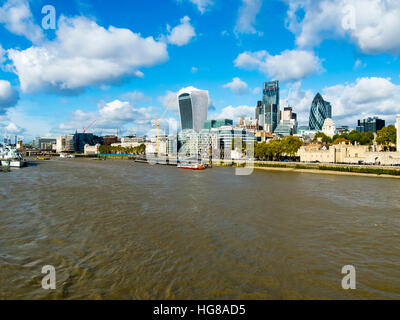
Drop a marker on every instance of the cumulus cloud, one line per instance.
(12, 128)
(234, 113)
(237, 86)
(290, 65)
(202, 5)
(371, 24)
(109, 115)
(366, 97)
(85, 54)
(8, 96)
(247, 16)
(18, 19)
(181, 34)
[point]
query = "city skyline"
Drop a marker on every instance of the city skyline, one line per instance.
(233, 48)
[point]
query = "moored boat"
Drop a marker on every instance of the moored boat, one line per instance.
(10, 157)
(192, 166)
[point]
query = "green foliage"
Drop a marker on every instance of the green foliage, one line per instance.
(323, 136)
(274, 149)
(387, 135)
(362, 138)
(120, 150)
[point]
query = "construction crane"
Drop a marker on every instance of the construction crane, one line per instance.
(157, 122)
(84, 130)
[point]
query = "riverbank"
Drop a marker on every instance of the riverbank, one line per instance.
(322, 169)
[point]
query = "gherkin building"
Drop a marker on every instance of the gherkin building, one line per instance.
(320, 111)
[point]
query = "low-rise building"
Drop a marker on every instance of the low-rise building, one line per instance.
(92, 150)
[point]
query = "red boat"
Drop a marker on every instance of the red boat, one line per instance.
(195, 166)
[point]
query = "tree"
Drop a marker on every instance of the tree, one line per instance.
(387, 136)
(323, 136)
(291, 145)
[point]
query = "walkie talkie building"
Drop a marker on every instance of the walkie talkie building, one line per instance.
(320, 111)
(193, 108)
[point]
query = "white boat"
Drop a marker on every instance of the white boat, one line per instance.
(10, 157)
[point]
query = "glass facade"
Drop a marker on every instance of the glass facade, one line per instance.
(320, 111)
(215, 124)
(270, 107)
(370, 125)
(81, 139)
(186, 111)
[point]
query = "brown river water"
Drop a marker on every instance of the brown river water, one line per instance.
(124, 230)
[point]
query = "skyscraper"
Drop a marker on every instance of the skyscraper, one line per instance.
(370, 125)
(271, 105)
(193, 108)
(320, 111)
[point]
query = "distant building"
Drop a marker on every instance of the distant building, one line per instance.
(65, 144)
(320, 111)
(43, 144)
(248, 124)
(288, 123)
(193, 108)
(215, 124)
(270, 107)
(342, 129)
(82, 139)
(370, 125)
(109, 140)
(329, 128)
(92, 150)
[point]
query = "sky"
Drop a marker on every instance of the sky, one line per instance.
(120, 62)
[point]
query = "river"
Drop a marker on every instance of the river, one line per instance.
(123, 230)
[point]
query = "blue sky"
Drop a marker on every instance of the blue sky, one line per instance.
(119, 62)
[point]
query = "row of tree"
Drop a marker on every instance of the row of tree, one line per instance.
(385, 137)
(277, 149)
(121, 150)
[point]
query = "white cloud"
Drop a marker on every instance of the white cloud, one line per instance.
(290, 65)
(170, 101)
(237, 86)
(12, 128)
(371, 24)
(181, 34)
(194, 70)
(85, 54)
(202, 5)
(366, 97)
(247, 16)
(18, 19)
(8, 96)
(135, 96)
(234, 113)
(300, 100)
(2, 55)
(111, 115)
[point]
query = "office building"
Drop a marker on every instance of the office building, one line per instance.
(215, 124)
(270, 108)
(43, 144)
(370, 125)
(320, 111)
(288, 123)
(82, 139)
(193, 108)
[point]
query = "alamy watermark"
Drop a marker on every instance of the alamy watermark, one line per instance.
(49, 21)
(49, 280)
(349, 281)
